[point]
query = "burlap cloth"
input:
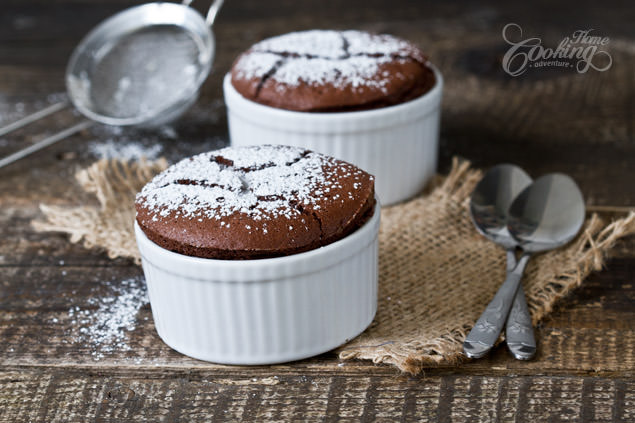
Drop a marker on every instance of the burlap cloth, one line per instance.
(436, 273)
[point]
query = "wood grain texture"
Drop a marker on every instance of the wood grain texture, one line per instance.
(38, 327)
(61, 395)
(583, 125)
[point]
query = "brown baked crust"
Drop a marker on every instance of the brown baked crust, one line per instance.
(332, 71)
(181, 213)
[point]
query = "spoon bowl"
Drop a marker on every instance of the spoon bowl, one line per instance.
(492, 198)
(547, 214)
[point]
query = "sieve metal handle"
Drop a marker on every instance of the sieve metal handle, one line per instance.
(34, 117)
(211, 13)
(45, 142)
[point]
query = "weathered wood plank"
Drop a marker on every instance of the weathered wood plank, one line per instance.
(20, 245)
(62, 395)
(601, 164)
(583, 125)
(49, 317)
(578, 124)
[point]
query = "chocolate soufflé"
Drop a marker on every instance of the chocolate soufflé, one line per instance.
(332, 71)
(254, 202)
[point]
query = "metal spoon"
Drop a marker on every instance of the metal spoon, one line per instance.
(546, 215)
(489, 206)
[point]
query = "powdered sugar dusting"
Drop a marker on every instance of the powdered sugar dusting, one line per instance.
(105, 328)
(273, 156)
(111, 149)
(325, 44)
(355, 72)
(258, 181)
(385, 45)
(256, 64)
(318, 57)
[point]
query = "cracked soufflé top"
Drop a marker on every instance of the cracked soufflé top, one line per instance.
(332, 71)
(254, 202)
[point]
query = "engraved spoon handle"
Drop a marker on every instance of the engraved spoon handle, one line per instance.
(487, 329)
(519, 333)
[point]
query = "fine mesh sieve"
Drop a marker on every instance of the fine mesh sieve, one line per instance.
(143, 67)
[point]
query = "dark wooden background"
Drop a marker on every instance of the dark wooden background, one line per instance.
(547, 120)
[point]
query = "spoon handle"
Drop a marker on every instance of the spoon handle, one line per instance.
(485, 332)
(519, 334)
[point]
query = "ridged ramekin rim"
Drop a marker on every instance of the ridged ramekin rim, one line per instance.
(236, 102)
(350, 244)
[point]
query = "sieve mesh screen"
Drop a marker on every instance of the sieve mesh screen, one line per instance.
(143, 72)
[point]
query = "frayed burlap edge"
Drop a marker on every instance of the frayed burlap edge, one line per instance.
(109, 225)
(446, 349)
(590, 250)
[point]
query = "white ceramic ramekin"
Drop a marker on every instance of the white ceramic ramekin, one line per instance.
(397, 144)
(263, 311)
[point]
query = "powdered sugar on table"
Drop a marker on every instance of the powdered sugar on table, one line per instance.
(105, 324)
(113, 149)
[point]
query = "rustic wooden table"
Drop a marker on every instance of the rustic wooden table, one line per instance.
(63, 358)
